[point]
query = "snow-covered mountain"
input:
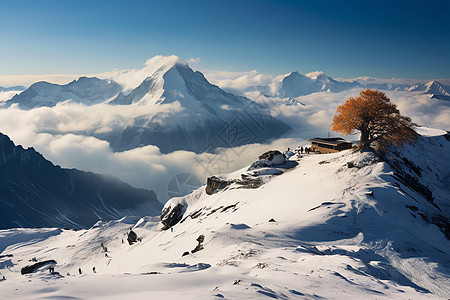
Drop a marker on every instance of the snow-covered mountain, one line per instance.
(87, 90)
(431, 87)
(36, 193)
(206, 118)
(209, 117)
(334, 226)
(296, 84)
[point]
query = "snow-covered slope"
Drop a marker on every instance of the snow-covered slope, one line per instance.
(36, 193)
(335, 226)
(84, 90)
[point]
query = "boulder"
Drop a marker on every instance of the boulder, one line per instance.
(269, 159)
(132, 237)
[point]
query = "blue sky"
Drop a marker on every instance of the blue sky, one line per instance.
(385, 39)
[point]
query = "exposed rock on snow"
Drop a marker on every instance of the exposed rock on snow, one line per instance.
(32, 268)
(269, 159)
(215, 184)
(131, 237)
(200, 240)
(171, 214)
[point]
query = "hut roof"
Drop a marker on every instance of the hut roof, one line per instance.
(329, 141)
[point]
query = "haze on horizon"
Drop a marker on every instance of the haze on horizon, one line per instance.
(401, 39)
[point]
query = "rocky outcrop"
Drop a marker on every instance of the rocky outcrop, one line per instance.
(31, 268)
(132, 237)
(247, 181)
(200, 240)
(269, 159)
(171, 215)
(215, 184)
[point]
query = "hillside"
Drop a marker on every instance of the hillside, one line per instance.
(335, 226)
(36, 193)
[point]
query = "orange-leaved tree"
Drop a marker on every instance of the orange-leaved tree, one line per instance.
(376, 118)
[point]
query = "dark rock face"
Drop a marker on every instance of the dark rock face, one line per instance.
(214, 184)
(31, 268)
(36, 193)
(132, 237)
(171, 215)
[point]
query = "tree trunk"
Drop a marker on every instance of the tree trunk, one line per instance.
(364, 140)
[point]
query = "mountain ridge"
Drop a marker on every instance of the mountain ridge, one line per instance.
(36, 193)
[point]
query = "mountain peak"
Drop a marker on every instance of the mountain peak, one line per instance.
(130, 79)
(315, 74)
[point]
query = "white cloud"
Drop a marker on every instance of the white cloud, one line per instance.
(313, 118)
(237, 81)
(4, 96)
(194, 61)
(59, 133)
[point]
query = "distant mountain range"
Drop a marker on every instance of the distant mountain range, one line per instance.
(36, 193)
(12, 88)
(84, 90)
(295, 85)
